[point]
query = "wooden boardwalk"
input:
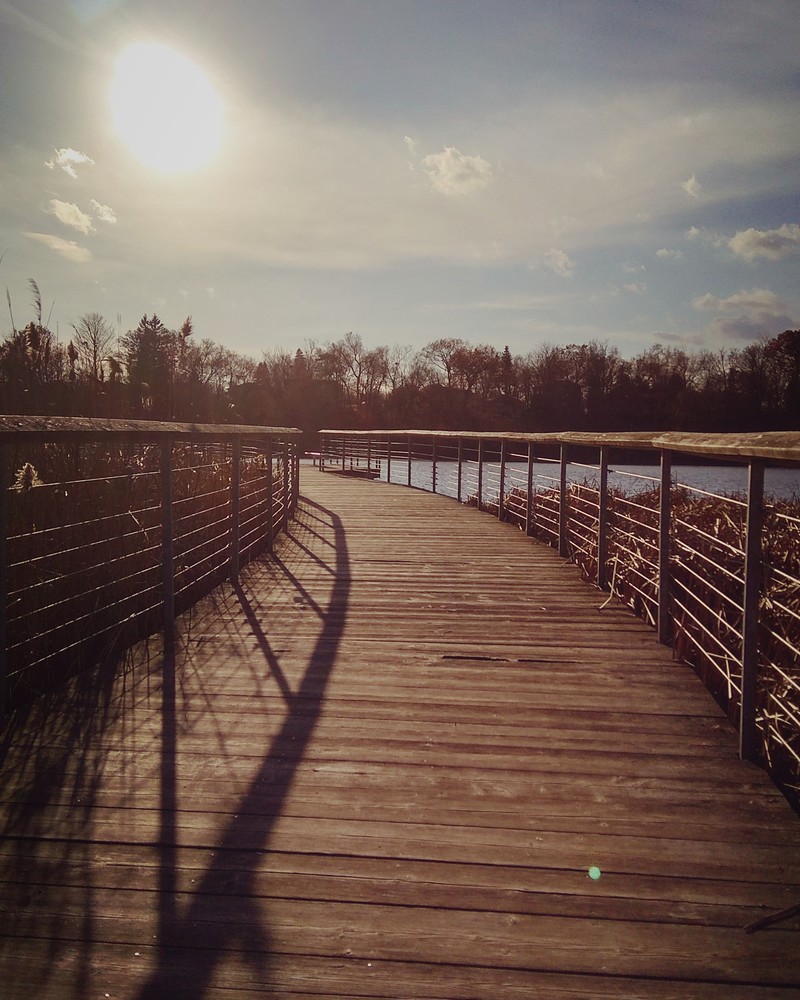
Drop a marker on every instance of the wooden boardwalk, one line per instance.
(385, 765)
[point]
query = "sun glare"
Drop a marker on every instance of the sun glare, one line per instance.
(165, 109)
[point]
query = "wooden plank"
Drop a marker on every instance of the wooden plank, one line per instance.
(396, 751)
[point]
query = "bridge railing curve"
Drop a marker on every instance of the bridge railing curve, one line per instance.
(109, 527)
(715, 570)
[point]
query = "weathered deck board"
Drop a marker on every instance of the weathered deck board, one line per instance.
(387, 763)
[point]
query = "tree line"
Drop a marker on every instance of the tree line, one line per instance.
(156, 373)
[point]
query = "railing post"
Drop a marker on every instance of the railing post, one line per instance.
(664, 622)
(167, 541)
(236, 482)
(433, 464)
(460, 472)
(529, 492)
(563, 506)
(501, 497)
(409, 459)
(168, 789)
(286, 484)
(602, 521)
(752, 593)
(296, 467)
(270, 497)
(4, 528)
(480, 473)
(344, 453)
(388, 458)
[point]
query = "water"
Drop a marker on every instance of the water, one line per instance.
(723, 480)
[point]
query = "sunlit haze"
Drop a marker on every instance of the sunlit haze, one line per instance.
(165, 109)
(519, 173)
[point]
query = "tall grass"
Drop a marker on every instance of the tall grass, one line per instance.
(707, 542)
(85, 548)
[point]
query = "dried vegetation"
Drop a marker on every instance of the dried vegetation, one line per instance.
(85, 548)
(707, 540)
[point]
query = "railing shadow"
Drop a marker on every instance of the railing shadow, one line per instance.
(196, 926)
(59, 765)
(53, 760)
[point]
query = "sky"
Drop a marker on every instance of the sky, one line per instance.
(510, 172)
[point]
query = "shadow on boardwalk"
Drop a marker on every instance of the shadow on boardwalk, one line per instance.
(49, 830)
(54, 755)
(196, 927)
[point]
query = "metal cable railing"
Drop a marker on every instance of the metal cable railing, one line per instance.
(717, 573)
(108, 527)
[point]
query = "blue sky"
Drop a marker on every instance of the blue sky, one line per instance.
(513, 173)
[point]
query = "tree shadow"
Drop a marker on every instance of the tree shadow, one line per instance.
(193, 940)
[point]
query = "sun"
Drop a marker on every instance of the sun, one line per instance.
(165, 109)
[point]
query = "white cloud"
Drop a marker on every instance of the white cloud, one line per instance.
(756, 300)
(211, 292)
(669, 254)
(636, 288)
(452, 172)
(770, 243)
(751, 313)
(70, 215)
(68, 159)
(67, 248)
(707, 236)
(692, 187)
(559, 262)
(103, 212)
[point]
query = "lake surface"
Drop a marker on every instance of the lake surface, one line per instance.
(723, 480)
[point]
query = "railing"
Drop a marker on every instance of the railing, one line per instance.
(716, 572)
(108, 528)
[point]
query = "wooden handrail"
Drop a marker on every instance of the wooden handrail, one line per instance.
(781, 447)
(23, 428)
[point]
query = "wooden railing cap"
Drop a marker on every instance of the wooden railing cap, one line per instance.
(777, 446)
(17, 427)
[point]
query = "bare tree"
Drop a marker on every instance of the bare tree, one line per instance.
(442, 356)
(93, 340)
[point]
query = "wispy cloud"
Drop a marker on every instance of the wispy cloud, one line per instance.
(103, 212)
(692, 187)
(452, 172)
(770, 243)
(751, 313)
(68, 159)
(70, 215)
(668, 254)
(67, 248)
(512, 303)
(706, 236)
(559, 262)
